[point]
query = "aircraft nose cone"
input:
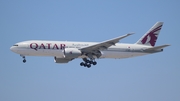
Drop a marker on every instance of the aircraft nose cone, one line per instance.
(12, 48)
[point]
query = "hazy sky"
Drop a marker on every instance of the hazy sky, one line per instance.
(153, 77)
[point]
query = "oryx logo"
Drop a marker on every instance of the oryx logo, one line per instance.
(151, 37)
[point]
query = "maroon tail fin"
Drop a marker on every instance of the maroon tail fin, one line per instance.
(151, 35)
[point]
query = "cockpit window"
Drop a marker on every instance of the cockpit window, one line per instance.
(15, 45)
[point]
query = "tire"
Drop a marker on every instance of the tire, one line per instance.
(82, 64)
(89, 65)
(85, 64)
(94, 63)
(91, 62)
(87, 61)
(24, 60)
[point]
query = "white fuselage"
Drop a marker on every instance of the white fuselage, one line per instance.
(65, 51)
(55, 49)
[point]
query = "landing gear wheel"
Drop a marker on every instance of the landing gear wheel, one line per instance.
(85, 64)
(91, 62)
(94, 63)
(89, 65)
(24, 60)
(88, 62)
(82, 64)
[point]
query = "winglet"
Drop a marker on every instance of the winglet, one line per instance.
(121, 37)
(130, 33)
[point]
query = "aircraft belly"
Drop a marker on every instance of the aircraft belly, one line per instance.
(119, 55)
(41, 52)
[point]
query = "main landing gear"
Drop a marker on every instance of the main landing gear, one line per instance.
(24, 58)
(87, 63)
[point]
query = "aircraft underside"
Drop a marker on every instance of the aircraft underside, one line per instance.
(88, 59)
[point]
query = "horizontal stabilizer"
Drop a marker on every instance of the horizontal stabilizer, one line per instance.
(157, 47)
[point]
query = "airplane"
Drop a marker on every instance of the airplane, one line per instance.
(65, 51)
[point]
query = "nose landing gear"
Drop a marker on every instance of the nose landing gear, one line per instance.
(24, 58)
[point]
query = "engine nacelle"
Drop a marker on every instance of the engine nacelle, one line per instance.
(72, 52)
(61, 60)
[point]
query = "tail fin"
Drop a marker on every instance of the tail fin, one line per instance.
(151, 35)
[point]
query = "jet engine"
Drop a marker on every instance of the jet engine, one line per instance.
(72, 53)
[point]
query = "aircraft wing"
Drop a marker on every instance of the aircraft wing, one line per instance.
(104, 45)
